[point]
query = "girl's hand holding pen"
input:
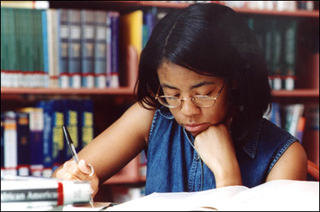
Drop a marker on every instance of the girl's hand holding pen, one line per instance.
(81, 171)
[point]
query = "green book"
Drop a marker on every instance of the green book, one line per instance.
(289, 39)
(3, 48)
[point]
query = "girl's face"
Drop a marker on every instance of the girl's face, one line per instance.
(181, 82)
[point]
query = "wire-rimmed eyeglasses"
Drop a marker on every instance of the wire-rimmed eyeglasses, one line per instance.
(198, 100)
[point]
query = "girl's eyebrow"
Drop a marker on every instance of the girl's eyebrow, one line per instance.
(192, 87)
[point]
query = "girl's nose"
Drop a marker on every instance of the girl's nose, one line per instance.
(188, 108)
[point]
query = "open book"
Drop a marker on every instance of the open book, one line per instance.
(276, 195)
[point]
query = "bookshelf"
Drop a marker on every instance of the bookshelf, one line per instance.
(304, 92)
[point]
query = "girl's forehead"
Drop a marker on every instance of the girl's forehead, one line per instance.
(173, 72)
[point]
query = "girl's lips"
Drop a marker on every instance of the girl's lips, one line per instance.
(194, 127)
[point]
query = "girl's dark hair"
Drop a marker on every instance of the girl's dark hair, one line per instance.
(214, 40)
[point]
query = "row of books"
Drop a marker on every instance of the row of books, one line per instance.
(290, 117)
(64, 48)
(32, 140)
(277, 37)
(264, 5)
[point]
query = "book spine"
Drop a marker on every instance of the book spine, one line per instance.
(36, 139)
(289, 38)
(45, 50)
(17, 18)
(12, 50)
(35, 193)
(37, 49)
(2, 143)
(3, 48)
(108, 47)
(300, 128)
(63, 35)
(10, 143)
(277, 54)
(25, 47)
(57, 133)
(87, 50)
(114, 81)
(53, 48)
(86, 122)
(47, 137)
(71, 115)
(100, 49)
(23, 133)
(74, 48)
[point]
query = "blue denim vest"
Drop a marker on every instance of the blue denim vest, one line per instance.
(174, 166)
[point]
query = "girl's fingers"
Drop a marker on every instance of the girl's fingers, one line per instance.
(85, 167)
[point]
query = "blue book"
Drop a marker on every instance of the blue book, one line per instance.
(57, 119)
(108, 48)
(47, 137)
(36, 139)
(63, 34)
(2, 142)
(46, 58)
(71, 118)
(86, 121)
(100, 49)
(23, 141)
(74, 48)
(114, 80)
(149, 20)
(87, 50)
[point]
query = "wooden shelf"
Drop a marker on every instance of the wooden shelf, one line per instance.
(68, 91)
(296, 93)
(130, 5)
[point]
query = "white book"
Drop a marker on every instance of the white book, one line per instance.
(277, 195)
(32, 192)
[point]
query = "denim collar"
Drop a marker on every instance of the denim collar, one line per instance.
(250, 147)
(165, 112)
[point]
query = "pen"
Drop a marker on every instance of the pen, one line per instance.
(73, 151)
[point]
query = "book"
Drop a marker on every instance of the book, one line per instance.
(25, 193)
(86, 122)
(277, 195)
(2, 143)
(289, 51)
(100, 51)
(63, 35)
(71, 119)
(47, 137)
(10, 143)
(87, 48)
(36, 139)
(53, 69)
(114, 77)
(108, 47)
(57, 118)
(45, 49)
(130, 34)
(131, 25)
(23, 142)
(74, 48)
(300, 128)
(277, 53)
(292, 113)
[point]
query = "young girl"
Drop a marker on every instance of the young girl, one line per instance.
(202, 92)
